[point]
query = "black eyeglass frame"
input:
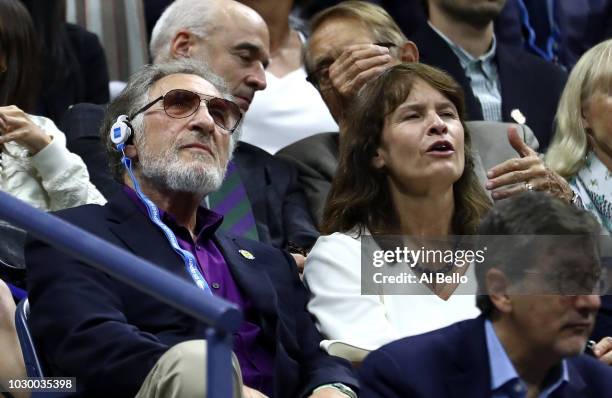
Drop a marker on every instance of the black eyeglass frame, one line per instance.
(203, 97)
(312, 77)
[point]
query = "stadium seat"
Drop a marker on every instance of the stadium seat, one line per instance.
(30, 358)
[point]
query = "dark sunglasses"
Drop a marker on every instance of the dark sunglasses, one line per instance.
(179, 104)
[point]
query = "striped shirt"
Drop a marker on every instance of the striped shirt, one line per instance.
(483, 77)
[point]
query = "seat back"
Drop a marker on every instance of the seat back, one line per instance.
(12, 263)
(28, 350)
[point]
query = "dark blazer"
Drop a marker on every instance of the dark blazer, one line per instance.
(108, 335)
(277, 199)
(453, 362)
(528, 83)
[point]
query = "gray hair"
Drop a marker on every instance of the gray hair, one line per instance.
(136, 94)
(372, 16)
(196, 16)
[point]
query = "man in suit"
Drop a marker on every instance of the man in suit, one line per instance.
(497, 78)
(179, 134)
(541, 296)
(233, 41)
(353, 43)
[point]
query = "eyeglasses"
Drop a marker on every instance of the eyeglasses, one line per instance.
(320, 77)
(179, 104)
(574, 283)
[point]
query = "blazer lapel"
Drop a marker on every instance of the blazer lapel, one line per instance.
(138, 233)
(511, 87)
(249, 275)
(472, 376)
(576, 385)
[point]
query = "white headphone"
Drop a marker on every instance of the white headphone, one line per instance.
(121, 130)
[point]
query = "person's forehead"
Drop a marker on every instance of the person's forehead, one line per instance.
(240, 24)
(334, 35)
(183, 81)
(423, 91)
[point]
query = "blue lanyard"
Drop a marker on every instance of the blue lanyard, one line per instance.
(153, 212)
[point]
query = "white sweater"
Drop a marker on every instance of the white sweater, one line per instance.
(53, 179)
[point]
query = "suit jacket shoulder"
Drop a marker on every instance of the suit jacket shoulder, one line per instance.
(448, 362)
(277, 199)
(316, 158)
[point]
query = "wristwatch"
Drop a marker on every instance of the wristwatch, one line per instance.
(344, 389)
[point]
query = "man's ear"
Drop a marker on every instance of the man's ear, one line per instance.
(497, 285)
(131, 152)
(409, 52)
(181, 44)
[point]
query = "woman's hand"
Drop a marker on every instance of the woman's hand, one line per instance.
(15, 125)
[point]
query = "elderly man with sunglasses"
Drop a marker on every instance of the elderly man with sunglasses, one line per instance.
(169, 136)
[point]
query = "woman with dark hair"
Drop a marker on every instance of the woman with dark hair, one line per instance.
(35, 165)
(405, 168)
(75, 67)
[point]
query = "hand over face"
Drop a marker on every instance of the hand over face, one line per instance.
(525, 173)
(15, 125)
(357, 65)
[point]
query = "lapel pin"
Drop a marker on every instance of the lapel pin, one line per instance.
(246, 254)
(518, 116)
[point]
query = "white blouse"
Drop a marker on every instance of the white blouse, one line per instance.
(333, 276)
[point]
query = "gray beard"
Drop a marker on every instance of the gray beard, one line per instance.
(169, 172)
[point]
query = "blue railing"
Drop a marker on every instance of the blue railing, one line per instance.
(222, 316)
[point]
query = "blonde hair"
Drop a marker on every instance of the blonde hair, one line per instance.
(592, 73)
(373, 17)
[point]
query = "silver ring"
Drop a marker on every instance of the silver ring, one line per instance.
(529, 186)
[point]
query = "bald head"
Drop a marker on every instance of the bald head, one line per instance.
(231, 38)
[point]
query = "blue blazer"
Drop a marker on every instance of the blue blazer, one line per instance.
(108, 335)
(453, 363)
(527, 82)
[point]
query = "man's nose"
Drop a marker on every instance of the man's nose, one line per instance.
(202, 120)
(590, 302)
(257, 78)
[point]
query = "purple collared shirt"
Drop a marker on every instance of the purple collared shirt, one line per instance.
(256, 363)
